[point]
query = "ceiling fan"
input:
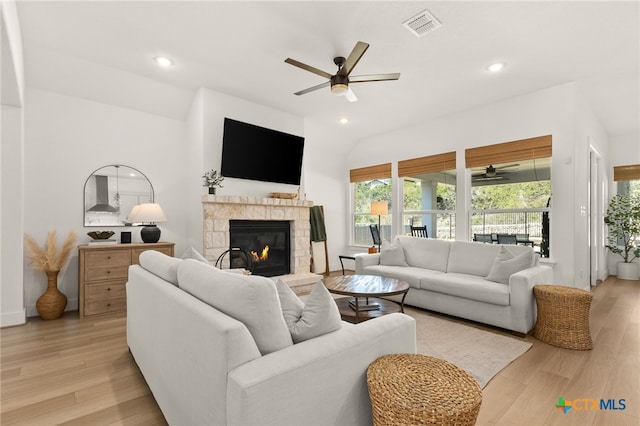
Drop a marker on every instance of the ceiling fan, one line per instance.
(339, 82)
(491, 173)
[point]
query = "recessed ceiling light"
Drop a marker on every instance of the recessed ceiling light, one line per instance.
(496, 67)
(344, 120)
(163, 61)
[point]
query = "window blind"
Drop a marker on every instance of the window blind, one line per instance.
(524, 149)
(380, 171)
(621, 173)
(429, 164)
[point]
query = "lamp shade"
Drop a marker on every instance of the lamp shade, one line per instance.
(133, 213)
(147, 213)
(379, 208)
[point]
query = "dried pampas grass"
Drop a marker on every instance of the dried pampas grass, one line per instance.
(49, 258)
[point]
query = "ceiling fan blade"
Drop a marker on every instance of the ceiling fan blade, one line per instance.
(354, 57)
(374, 77)
(311, 89)
(506, 166)
(308, 68)
(351, 97)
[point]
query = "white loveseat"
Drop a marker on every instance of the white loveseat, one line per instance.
(465, 279)
(205, 367)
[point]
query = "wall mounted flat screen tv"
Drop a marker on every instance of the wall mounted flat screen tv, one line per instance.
(257, 153)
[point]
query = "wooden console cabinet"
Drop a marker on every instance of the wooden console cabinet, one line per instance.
(102, 275)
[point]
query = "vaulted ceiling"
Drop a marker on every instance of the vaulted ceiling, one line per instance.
(239, 48)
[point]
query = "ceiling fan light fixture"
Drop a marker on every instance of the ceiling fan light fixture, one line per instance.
(339, 88)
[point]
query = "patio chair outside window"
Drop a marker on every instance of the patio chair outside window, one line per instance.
(507, 239)
(483, 238)
(419, 231)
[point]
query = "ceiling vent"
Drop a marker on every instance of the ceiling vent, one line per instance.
(421, 24)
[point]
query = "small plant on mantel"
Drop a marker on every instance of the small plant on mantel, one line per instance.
(212, 179)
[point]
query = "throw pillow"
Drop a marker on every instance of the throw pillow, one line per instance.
(318, 316)
(505, 264)
(392, 255)
(161, 265)
(250, 299)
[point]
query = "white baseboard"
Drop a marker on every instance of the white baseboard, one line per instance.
(13, 318)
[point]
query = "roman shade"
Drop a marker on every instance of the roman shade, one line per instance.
(622, 173)
(520, 150)
(429, 164)
(380, 171)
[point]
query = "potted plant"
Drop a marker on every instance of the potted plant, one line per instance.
(212, 179)
(50, 260)
(623, 220)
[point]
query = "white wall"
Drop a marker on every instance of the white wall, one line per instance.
(551, 111)
(66, 139)
(12, 310)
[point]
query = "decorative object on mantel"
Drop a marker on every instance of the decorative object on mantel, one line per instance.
(212, 179)
(623, 220)
(285, 195)
(50, 305)
(148, 214)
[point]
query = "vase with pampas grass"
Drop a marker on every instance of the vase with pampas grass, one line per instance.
(50, 260)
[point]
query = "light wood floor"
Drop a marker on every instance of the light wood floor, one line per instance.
(79, 372)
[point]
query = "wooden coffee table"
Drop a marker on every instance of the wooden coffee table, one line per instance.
(366, 292)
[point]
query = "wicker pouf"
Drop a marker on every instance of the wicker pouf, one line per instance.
(413, 389)
(563, 316)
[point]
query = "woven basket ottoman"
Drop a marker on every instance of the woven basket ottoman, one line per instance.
(563, 316)
(413, 389)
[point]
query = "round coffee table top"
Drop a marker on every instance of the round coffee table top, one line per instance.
(365, 285)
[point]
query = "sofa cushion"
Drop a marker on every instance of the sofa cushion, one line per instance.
(467, 286)
(317, 316)
(471, 257)
(161, 265)
(392, 254)
(507, 263)
(251, 299)
(409, 274)
(426, 253)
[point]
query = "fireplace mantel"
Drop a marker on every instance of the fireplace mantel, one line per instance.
(219, 209)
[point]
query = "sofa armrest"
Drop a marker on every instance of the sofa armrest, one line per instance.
(319, 381)
(521, 291)
(366, 259)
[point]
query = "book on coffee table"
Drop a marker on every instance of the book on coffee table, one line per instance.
(363, 306)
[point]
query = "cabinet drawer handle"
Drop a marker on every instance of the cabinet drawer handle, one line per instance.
(108, 272)
(108, 257)
(108, 288)
(108, 305)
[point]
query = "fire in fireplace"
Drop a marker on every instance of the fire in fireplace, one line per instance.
(266, 246)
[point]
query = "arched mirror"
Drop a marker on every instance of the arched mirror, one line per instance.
(111, 192)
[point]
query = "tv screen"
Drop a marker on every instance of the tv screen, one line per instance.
(257, 153)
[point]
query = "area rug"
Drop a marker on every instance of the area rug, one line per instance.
(481, 353)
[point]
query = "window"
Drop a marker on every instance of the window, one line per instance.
(628, 178)
(511, 190)
(370, 184)
(429, 195)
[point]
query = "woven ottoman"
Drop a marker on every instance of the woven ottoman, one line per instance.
(413, 389)
(563, 316)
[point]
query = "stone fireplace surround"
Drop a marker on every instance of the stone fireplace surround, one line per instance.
(219, 209)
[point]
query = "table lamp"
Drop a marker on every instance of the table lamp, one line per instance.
(379, 208)
(148, 214)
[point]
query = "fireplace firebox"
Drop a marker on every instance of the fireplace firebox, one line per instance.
(266, 246)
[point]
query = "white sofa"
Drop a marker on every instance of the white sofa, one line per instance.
(465, 279)
(205, 367)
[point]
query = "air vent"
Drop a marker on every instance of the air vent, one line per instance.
(421, 24)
